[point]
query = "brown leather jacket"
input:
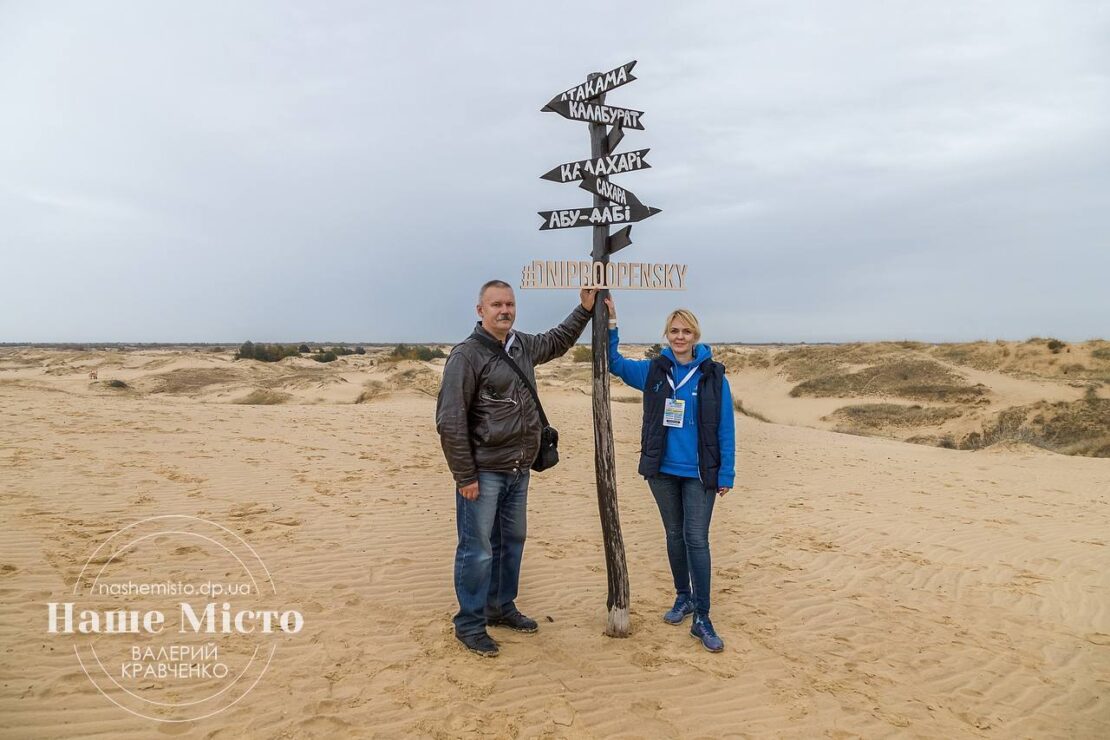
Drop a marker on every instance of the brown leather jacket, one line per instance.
(485, 416)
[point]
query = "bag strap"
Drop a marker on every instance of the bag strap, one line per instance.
(499, 349)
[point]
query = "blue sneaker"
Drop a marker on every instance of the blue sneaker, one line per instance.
(683, 607)
(703, 630)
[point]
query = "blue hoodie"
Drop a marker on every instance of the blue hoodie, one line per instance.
(680, 455)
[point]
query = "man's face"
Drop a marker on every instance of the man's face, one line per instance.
(497, 310)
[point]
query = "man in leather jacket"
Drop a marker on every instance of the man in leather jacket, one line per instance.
(489, 428)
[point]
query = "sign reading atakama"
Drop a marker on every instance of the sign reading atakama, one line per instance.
(599, 85)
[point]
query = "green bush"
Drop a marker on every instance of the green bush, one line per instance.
(653, 351)
(264, 352)
(582, 353)
(1055, 345)
(303, 349)
(415, 352)
(328, 356)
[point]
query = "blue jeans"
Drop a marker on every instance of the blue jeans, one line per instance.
(491, 531)
(686, 507)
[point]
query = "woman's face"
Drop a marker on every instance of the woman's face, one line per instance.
(681, 336)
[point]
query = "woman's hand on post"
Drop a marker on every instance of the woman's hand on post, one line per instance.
(611, 306)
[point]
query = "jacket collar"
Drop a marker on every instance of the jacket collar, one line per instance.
(481, 331)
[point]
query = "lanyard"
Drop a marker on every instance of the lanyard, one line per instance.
(674, 387)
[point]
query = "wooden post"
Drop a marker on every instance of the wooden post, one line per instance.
(616, 567)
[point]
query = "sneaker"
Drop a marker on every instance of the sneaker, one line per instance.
(480, 643)
(516, 621)
(683, 607)
(703, 630)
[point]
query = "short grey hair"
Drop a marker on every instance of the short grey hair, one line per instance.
(492, 284)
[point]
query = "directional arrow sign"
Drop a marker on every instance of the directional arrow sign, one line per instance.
(614, 164)
(577, 110)
(609, 191)
(569, 218)
(615, 135)
(620, 240)
(603, 83)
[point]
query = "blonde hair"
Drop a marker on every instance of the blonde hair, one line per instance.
(687, 316)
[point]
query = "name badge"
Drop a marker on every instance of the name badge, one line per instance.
(673, 412)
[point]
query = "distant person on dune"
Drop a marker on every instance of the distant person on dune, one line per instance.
(687, 454)
(489, 426)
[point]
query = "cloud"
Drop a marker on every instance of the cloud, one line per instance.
(279, 171)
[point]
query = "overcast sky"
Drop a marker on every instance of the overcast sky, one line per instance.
(214, 171)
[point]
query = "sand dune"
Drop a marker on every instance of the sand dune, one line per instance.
(864, 587)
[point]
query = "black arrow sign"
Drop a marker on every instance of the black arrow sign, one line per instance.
(577, 110)
(614, 164)
(609, 191)
(569, 218)
(619, 240)
(603, 83)
(615, 135)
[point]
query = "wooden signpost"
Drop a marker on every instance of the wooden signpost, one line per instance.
(612, 205)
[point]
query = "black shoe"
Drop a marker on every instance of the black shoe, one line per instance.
(480, 643)
(517, 622)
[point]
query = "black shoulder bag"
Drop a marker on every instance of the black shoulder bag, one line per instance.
(548, 456)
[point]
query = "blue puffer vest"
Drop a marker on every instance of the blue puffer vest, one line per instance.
(653, 436)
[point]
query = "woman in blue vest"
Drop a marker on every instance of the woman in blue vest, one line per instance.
(687, 454)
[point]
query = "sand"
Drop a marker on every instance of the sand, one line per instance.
(864, 587)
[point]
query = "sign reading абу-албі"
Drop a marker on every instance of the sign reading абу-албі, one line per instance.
(613, 205)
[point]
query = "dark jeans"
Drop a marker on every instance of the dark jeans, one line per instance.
(686, 507)
(491, 531)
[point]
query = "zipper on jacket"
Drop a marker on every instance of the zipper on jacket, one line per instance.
(510, 401)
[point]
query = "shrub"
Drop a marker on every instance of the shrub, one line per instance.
(264, 352)
(115, 383)
(360, 350)
(582, 353)
(415, 352)
(303, 349)
(328, 356)
(1055, 345)
(653, 351)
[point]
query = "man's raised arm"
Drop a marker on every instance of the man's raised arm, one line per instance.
(555, 342)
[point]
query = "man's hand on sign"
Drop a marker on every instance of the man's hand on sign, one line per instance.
(469, 491)
(587, 296)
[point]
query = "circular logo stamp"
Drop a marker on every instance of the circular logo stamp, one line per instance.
(174, 618)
